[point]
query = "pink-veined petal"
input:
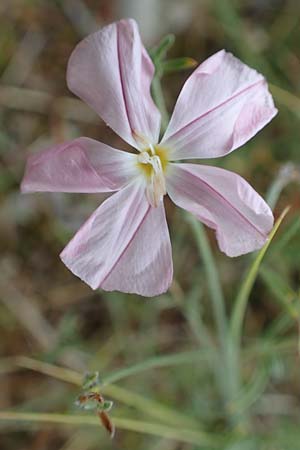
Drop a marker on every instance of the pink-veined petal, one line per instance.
(112, 72)
(223, 201)
(82, 165)
(123, 246)
(222, 105)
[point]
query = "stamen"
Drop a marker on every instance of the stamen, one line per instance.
(144, 158)
(156, 185)
(156, 164)
(152, 149)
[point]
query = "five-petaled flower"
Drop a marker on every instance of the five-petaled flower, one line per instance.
(125, 244)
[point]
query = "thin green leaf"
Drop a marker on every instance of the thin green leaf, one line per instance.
(105, 406)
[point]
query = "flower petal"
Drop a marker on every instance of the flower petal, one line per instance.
(123, 246)
(112, 72)
(222, 105)
(223, 201)
(82, 165)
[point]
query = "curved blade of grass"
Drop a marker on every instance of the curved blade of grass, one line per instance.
(279, 326)
(180, 434)
(155, 363)
(253, 391)
(240, 305)
(271, 346)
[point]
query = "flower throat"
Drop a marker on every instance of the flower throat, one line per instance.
(153, 162)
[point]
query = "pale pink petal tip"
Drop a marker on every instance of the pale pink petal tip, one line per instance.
(222, 105)
(112, 72)
(124, 246)
(225, 202)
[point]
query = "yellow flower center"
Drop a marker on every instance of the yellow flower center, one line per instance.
(153, 163)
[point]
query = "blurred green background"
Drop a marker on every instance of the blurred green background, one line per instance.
(173, 380)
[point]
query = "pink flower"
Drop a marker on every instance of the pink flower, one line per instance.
(125, 244)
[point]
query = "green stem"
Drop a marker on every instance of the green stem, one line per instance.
(223, 358)
(213, 281)
(193, 316)
(159, 100)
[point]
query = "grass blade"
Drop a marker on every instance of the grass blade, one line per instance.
(180, 434)
(238, 314)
